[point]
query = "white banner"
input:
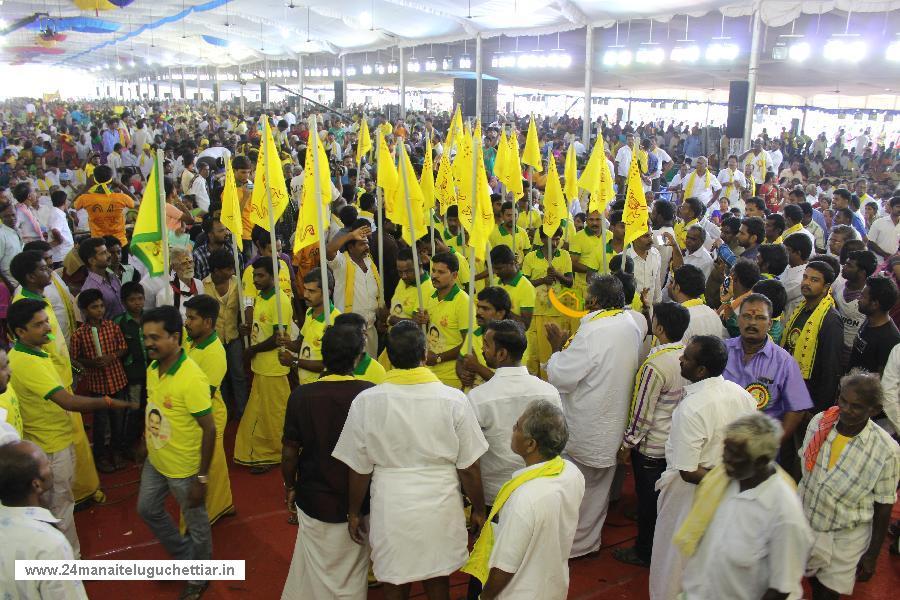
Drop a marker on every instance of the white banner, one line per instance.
(164, 570)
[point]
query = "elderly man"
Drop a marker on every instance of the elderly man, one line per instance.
(733, 182)
(183, 285)
(415, 467)
(702, 184)
(755, 543)
(593, 372)
(694, 447)
(850, 472)
(530, 554)
(27, 527)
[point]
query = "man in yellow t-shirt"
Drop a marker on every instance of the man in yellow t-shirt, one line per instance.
(309, 345)
(180, 440)
(258, 440)
(586, 250)
(546, 275)
(405, 302)
(452, 235)
(9, 402)
(502, 234)
(43, 401)
(516, 285)
(368, 369)
(446, 317)
(206, 349)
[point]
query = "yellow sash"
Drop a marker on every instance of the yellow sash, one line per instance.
(792, 230)
(709, 495)
(601, 315)
(64, 295)
(692, 178)
(681, 231)
(350, 282)
(694, 301)
(808, 341)
(478, 564)
(410, 376)
(336, 378)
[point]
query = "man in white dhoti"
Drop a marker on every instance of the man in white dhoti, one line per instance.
(694, 447)
(594, 373)
(530, 554)
(753, 537)
(326, 562)
(416, 440)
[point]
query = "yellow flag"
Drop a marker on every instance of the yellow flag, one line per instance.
(147, 240)
(483, 217)
(413, 222)
(364, 143)
(231, 206)
(571, 175)
(635, 215)
(596, 178)
(426, 181)
(268, 168)
(532, 153)
(463, 174)
(316, 189)
(456, 129)
(387, 176)
(514, 167)
(445, 185)
(500, 166)
(554, 201)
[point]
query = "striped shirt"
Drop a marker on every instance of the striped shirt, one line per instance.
(658, 388)
(865, 473)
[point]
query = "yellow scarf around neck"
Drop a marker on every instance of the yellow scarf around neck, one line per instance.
(350, 282)
(410, 376)
(681, 231)
(792, 230)
(808, 340)
(708, 497)
(694, 301)
(478, 564)
(693, 178)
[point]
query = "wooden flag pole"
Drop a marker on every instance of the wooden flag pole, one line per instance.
(476, 143)
(379, 195)
(323, 257)
(412, 231)
(272, 239)
(161, 187)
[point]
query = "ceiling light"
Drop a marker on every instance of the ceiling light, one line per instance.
(431, 64)
(892, 52)
(351, 71)
(686, 54)
(447, 63)
(335, 71)
(367, 69)
(465, 61)
(845, 50)
(413, 65)
(559, 59)
(717, 52)
(306, 72)
(132, 64)
(652, 56)
(379, 67)
(617, 57)
(799, 52)
(393, 67)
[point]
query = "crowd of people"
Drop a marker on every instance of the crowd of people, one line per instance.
(740, 357)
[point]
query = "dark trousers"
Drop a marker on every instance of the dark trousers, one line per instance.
(108, 422)
(647, 472)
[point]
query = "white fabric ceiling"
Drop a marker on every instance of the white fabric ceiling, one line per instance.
(280, 29)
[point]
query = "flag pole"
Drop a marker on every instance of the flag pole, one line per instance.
(323, 257)
(476, 143)
(379, 194)
(412, 230)
(265, 144)
(160, 185)
(553, 232)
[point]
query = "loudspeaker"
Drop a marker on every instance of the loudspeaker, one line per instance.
(620, 114)
(737, 108)
(795, 126)
(465, 94)
(338, 92)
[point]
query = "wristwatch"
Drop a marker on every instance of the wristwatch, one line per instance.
(438, 359)
(204, 479)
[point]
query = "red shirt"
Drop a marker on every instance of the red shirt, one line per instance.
(111, 378)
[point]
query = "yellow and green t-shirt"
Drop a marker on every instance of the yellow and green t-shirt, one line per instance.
(369, 370)
(568, 229)
(453, 241)
(56, 347)
(311, 344)
(521, 293)
(448, 322)
(265, 320)
(209, 354)
(175, 399)
(35, 380)
(588, 248)
(10, 403)
(284, 279)
(535, 220)
(535, 267)
(406, 299)
(501, 236)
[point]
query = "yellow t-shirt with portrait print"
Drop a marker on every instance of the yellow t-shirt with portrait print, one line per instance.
(406, 298)
(448, 320)
(10, 403)
(311, 344)
(521, 293)
(535, 267)
(209, 354)
(265, 320)
(175, 399)
(35, 380)
(369, 370)
(284, 279)
(56, 347)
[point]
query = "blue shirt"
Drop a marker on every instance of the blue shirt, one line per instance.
(109, 140)
(772, 377)
(859, 225)
(819, 219)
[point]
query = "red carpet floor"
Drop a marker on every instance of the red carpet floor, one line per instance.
(260, 535)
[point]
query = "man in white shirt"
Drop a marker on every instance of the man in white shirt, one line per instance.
(799, 248)
(623, 160)
(199, 187)
(594, 372)
(533, 538)
(760, 161)
(694, 251)
(733, 183)
(27, 528)
(757, 542)
(694, 447)
(498, 401)
(647, 265)
(115, 162)
(776, 155)
(884, 234)
(663, 163)
(686, 286)
(702, 184)
(415, 440)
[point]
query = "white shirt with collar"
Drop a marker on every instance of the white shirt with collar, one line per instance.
(698, 187)
(701, 259)
(732, 183)
(623, 160)
(646, 273)
(885, 234)
(28, 533)
(704, 321)
(791, 279)
(10, 245)
(498, 404)
(365, 286)
(533, 537)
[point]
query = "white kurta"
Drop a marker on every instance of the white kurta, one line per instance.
(704, 321)
(758, 539)
(534, 535)
(695, 440)
(646, 273)
(413, 438)
(699, 188)
(732, 183)
(791, 279)
(365, 286)
(701, 259)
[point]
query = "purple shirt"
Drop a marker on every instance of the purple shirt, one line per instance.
(110, 288)
(772, 376)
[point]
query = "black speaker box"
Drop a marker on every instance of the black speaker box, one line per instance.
(737, 108)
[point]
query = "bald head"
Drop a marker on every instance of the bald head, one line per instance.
(24, 474)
